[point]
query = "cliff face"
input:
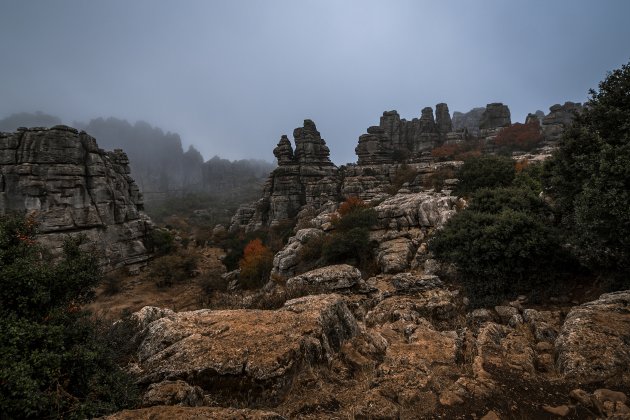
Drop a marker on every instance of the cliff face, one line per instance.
(72, 187)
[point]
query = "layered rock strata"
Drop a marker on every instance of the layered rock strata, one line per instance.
(560, 117)
(72, 187)
(304, 176)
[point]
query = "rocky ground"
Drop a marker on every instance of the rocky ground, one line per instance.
(407, 351)
(402, 344)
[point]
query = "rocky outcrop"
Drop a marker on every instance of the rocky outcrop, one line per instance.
(496, 115)
(398, 140)
(594, 343)
(327, 279)
(304, 176)
(560, 117)
(251, 355)
(72, 187)
(468, 121)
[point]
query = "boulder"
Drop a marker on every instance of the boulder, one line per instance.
(327, 279)
(594, 342)
(422, 209)
(173, 393)
(412, 283)
(244, 354)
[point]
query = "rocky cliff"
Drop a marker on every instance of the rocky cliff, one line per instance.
(71, 186)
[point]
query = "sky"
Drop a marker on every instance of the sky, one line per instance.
(232, 76)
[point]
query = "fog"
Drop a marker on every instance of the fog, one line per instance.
(232, 77)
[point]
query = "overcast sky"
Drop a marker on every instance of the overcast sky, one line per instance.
(232, 76)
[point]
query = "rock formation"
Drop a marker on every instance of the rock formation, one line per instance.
(397, 140)
(468, 121)
(306, 176)
(559, 118)
(71, 187)
(496, 115)
(230, 353)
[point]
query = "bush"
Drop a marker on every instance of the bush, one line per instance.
(351, 238)
(212, 282)
(484, 172)
(169, 269)
(500, 253)
(160, 241)
(521, 137)
(457, 151)
(255, 265)
(54, 362)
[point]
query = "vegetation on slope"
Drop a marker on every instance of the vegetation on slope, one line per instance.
(54, 363)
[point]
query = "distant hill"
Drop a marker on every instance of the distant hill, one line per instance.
(159, 164)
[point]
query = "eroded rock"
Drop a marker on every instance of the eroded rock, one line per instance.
(594, 343)
(229, 352)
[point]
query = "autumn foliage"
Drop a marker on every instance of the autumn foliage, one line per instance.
(256, 264)
(351, 204)
(519, 136)
(457, 151)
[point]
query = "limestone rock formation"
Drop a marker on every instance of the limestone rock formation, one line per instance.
(327, 279)
(594, 343)
(443, 118)
(496, 115)
(468, 121)
(71, 187)
(248, 354)
(306, 176)
(398, 140)
(560, 117)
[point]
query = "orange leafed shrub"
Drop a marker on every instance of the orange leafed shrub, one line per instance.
(256, 264)
(351, 204)
(521, 164)
(520, 136)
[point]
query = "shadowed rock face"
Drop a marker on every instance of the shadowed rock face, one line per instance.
(70, 186)
(496, 115)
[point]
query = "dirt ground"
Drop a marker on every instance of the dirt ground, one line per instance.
(140, 290)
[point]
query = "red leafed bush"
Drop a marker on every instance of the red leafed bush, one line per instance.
(519, 136)
(351, 204)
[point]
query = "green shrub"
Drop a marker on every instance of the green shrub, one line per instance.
(160, 241)
(502, 253)
(169, 269)
(54, 362)
(352, 244)
(484, 172)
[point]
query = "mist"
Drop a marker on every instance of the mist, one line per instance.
(231, 77)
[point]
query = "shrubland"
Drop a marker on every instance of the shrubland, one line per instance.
(55, 362)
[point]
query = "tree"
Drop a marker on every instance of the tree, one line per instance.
(589, 178)
(484, 172)
(54, 364)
